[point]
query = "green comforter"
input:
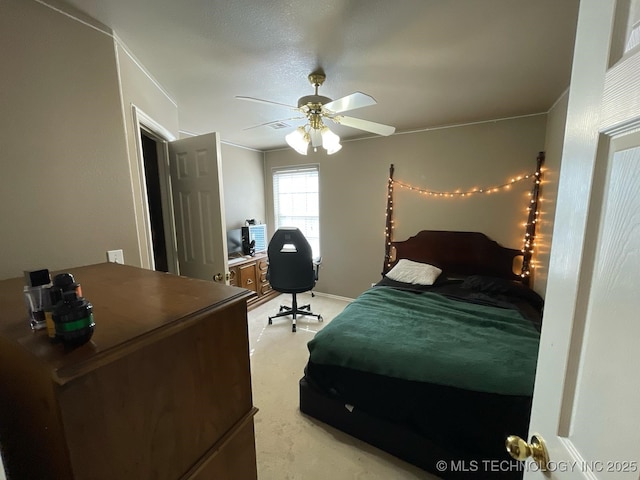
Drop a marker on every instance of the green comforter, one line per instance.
(427, 337)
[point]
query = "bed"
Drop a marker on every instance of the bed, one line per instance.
(439, 372)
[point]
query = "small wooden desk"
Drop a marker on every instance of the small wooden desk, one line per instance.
(251, 273)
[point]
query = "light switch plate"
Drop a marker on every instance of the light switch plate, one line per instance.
(115, 256)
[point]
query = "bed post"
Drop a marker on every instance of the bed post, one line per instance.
(530, 231)
(388, 230)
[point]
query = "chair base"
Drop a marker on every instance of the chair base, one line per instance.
(294, 310)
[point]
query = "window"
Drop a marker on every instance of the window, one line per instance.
(295, 202)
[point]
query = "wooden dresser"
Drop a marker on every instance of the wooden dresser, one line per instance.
(162, 390)
(251, 273)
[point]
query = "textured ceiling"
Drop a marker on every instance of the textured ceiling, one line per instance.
(428, 63)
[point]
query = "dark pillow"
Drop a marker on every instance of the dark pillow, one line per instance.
(442, 280)
(501, 286)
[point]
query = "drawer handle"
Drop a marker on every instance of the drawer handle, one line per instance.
(249, 281)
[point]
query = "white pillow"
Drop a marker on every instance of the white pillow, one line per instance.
(408, 271)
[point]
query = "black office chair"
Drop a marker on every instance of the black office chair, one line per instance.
(291, 270)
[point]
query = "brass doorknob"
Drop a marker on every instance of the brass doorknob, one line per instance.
(521, 450)
(218, 277)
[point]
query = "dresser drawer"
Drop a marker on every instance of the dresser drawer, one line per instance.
(248, 277)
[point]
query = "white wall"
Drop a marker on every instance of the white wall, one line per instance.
(549, 192)
(140, 90)
(65, 193)
(71, 177)
(353, 191)
(70, 182)
(243, 178)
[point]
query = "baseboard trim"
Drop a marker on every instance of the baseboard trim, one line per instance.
(335, 297)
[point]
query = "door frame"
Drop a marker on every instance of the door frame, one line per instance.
(142, 121)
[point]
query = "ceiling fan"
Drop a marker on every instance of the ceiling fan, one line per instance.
(316, 109)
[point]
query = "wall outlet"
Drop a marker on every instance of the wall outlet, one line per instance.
(115, 256)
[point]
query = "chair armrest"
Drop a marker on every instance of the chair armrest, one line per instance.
(316, 263)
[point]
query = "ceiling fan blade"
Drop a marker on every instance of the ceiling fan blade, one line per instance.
(274, 122)
(365, 125)
(268, 102)
(350, 102)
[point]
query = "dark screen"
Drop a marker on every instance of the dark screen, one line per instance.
(234, 242)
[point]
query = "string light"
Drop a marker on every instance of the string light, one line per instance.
(528, 242)
(388, 229)
(532, 209)
(458, 193)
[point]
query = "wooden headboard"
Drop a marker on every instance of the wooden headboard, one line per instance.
(459, 254)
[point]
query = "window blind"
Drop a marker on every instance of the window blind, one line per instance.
(296, 201)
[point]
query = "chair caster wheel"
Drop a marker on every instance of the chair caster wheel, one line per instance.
(293, 329)
(281, 308)
(320, 319)
(270, 321)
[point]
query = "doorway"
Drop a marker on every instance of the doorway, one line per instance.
(181, 227)
(154, 200)
(156, 228)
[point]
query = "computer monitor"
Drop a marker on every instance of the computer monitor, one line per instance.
(234, 243)
(258, 235)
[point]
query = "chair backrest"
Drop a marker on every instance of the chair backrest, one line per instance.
(291, 268)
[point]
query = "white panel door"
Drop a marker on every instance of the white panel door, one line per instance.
(198, 203)
(587, 390)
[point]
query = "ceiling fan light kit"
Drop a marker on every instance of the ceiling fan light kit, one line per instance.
(316, 108)
(299, 140)
(330, 141)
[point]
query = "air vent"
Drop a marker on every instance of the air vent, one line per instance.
(279, 125)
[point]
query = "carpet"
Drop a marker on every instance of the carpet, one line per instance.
(289, 444)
